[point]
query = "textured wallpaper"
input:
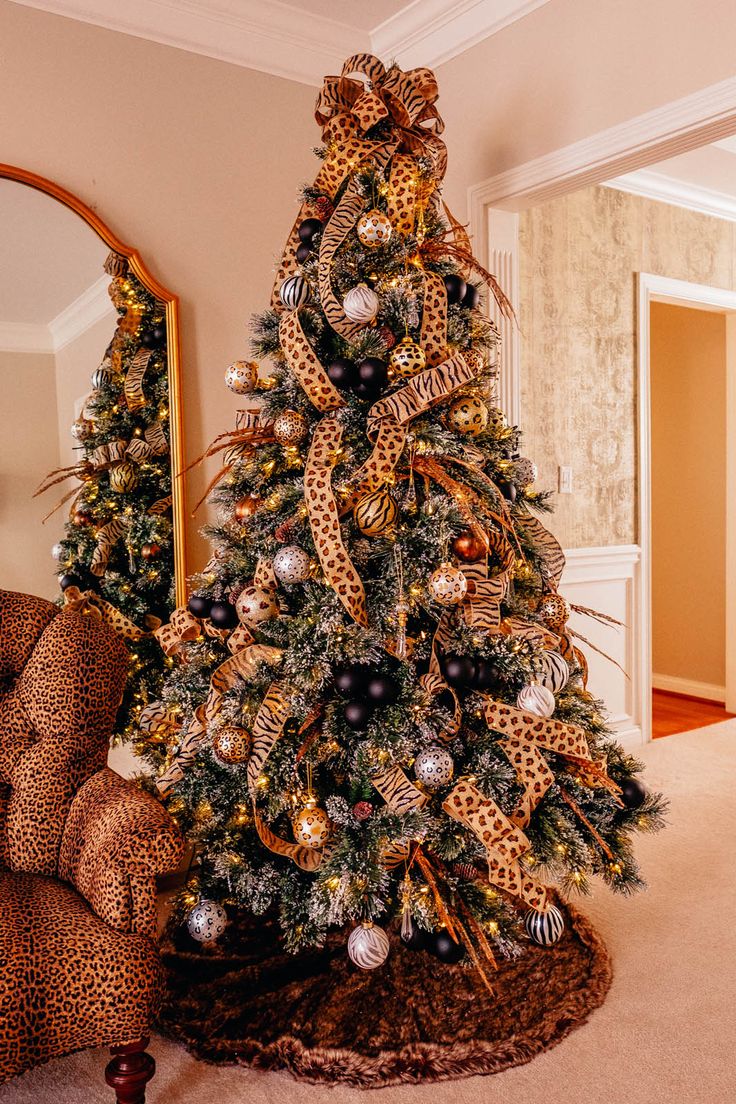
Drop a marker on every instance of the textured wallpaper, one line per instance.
(579, 258)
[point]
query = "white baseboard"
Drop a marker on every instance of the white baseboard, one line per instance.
(674, 685)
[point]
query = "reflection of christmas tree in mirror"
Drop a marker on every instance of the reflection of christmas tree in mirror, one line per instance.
(116, 555)
(380, 617)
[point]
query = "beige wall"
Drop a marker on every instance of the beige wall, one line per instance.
(75, 363)
(579, 259)
(688, 381)
(29, 448)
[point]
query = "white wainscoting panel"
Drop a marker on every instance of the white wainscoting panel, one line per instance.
(607, 580)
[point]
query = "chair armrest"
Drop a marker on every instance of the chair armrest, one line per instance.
(117, 838)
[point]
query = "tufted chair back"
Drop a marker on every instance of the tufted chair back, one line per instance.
(62, 675)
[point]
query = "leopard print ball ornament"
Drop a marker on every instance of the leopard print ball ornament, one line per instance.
(294, 292)
(290, 427)
(361, 304)
(375, 513)
(291, 564)
(256, 605)
(407, 359)
(524, 471)
(536, 699)
(311, 825)
(554, 611)
(468, 415)
(374, 229)
(207, 921)
(447, 585)
(231, 745)
(124, 478)
(368, 946)
(241, 376)
(434, 767)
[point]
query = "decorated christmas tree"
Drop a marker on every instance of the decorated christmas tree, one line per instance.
(379, 716)
(116, 555)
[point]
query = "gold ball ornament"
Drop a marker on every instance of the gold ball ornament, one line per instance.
(375, 513)
(311, 825)
(241, 376)
(290, 427)
(231, 745)
(407, 359)
(247, 506)
(124, 478)
(374, 228)
(469, 548)
(447, 585)
(554, 611)
(468, 415)
(256, 605)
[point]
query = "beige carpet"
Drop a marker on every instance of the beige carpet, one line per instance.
(666, 1034)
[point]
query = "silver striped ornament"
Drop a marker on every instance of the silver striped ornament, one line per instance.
(368, 946)
(544, 928)
(554, 672)
(294, 292)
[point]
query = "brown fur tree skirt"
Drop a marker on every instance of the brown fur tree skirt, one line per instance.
(414, 1019)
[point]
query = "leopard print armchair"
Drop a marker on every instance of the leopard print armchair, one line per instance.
(80, 849)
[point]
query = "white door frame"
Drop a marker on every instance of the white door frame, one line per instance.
(662, 289)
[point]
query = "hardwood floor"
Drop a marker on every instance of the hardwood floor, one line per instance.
(673, 713)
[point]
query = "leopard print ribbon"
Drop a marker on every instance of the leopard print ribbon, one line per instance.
(182, 628)
(305, 365)
(434, 318)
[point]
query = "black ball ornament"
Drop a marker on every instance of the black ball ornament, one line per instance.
(471, 298)
(444, 947)
(459, 670)
(199, 606)
(303, 251)
(158, 332)
(223, 615)
(70, 580)
(308, 229)
(633, 793)
(486, 675)
(357, 714)
(413, 937)
(456, 288)
(147, 340)
(382, 690)
(372, 377)
(351, 681)
(343, 373)
(507, 489)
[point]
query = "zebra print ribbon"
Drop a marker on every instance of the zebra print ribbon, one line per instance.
(552, 555)
(133, 386)
(397, 791)
(341, 223)
(107, 536)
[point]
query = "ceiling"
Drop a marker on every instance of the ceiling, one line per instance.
(701, 180)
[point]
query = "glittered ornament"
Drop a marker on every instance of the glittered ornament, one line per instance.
(368, 946)
(231, 745)
(223, 614)
(150, 551)
(291, 564)
(468, 415)
(207, 921)
(311, 825)
(101, 377)
(524, 471)
(241, 376)
(633, 792)
(245, 507)
(199, 606)
(124, 478)
(468, 547)
(375, 513)
(434, 767)
(294, 292)
(257, 604)
(290, 427)
(544, 928)
(57, 551)
(447, 585)
(374, 228)
(554, 611)
(361, 304)
(553, 671)
(407, 359)
(536, 699)
(362, 810)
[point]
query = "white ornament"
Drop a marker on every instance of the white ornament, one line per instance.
(447, 584)
(536, 699)
(554, 672)
(294, 292)
(524, 471)
(361, 304)
(368, 946)
(101, 376)
(291, 564)
(57, 551)
(207, 921)
(241, 376)
(256, 604)
(434, 767)
(81, 429)
(545, 928)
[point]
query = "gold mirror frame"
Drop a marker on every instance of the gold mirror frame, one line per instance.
(171, 301)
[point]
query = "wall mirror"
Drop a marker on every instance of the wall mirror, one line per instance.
(89, 377)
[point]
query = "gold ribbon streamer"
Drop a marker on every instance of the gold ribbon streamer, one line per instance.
(133, 386)
(303, 362)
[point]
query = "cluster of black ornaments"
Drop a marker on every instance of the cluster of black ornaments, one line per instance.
(306, 232)
(366, 379)
(438, 943)
(367, 689)
(80, 578)
(221, 613)
(464, 672)
(154, 337)
(458, 292)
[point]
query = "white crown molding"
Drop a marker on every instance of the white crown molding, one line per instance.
(677, 127)
(25, 337)
(428, 32)
(728, 144)
(88, 308)
(679, 193)
(290, 42)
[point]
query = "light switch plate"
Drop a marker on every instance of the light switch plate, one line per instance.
(564, 480)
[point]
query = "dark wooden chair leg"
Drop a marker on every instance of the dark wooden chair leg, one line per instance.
(130, 1071)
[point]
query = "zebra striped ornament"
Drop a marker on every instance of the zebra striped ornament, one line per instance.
(368, 946)
(294, 292)
(554, 672)
(544, 928)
